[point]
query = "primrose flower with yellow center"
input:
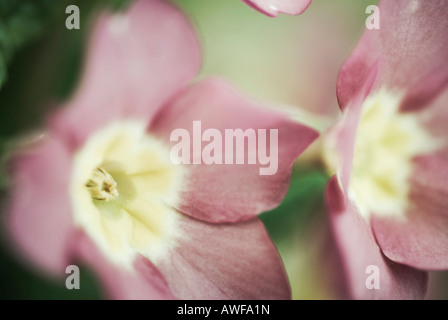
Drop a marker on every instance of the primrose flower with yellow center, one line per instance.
(101, 185)
(387, 200)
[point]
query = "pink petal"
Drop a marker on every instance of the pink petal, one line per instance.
(359, 250)
(434, 120)
(272, 8)
(226, 193)
(425, 92)
(410, 44)
(136, 61)
(145, 282)
(421, 240)
(348, 127)
(225, 261)
(39, 213)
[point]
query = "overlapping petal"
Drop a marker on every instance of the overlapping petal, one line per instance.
(225, 193)
(359, 250)
(225, 261)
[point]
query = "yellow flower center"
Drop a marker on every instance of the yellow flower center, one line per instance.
(386, 142)
(123, 188)
(102, 186)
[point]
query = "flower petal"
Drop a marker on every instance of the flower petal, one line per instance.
(426, 91)
(145, 282)
(346, 129)
(359, 250)
(40, 219)
(410, 45)
(272, 8)
(434, 120)
(226, 261)
(136, 61)
(226, 193)
(420, 240)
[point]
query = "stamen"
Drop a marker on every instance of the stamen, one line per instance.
(102, 186)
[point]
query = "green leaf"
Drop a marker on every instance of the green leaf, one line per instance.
(304, 197)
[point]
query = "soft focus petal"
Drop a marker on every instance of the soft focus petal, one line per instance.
(136, 61)
(434, 120)
(426, 91)
(145, 282)
(410, 44)
(39, 217)
(411, 49)
(273, 7)
(359, 250)
(225, 193)
(226, 261)
(420, 239)
(346, 131)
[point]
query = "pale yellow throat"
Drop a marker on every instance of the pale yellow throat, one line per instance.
(123, 189)
(386, 143)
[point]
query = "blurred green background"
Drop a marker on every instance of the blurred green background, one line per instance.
(290, 60)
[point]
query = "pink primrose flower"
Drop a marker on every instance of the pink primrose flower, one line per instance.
(388, 200)
(101, 187)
